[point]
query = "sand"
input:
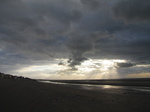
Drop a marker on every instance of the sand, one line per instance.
(33, 96)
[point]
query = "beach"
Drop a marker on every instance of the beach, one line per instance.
(34, 96)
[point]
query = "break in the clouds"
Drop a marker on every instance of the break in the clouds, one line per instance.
(66, 34)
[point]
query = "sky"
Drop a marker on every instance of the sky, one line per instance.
(75, 39)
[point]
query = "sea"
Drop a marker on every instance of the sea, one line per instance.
(110, 88)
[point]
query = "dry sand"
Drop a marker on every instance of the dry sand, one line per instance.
(32, 96)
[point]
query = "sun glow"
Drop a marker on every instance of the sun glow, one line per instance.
(92, 68)
(98, 68)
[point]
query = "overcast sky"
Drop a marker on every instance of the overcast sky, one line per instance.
(75, 39)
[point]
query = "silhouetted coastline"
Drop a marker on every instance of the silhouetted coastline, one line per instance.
(8, 76)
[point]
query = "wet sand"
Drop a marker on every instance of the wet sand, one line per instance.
(33, 96)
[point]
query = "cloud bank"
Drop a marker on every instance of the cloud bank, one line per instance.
(77, 30)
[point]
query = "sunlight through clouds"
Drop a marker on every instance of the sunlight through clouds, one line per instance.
(92, 68)
(80, 39)
(89, 69)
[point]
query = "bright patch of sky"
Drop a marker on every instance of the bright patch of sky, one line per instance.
(89, 69)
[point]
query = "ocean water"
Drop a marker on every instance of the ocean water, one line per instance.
(106, 88)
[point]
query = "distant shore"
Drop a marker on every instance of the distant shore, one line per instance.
(8, 76)
(33, 96)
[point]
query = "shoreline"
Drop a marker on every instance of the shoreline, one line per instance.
(116, 82)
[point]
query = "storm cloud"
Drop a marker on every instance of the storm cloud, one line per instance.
(125, 65)
(134, 11)
(76, 30)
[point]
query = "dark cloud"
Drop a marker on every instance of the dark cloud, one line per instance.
(91, 4)
(124, 65)
(78, 46)
(134, 11)
(63, 11)
(16, 13)
(82, 44)
(133, 70)
(22, 32)
(32, 30)
(76, 61)
(61, 63)
(36, 27)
